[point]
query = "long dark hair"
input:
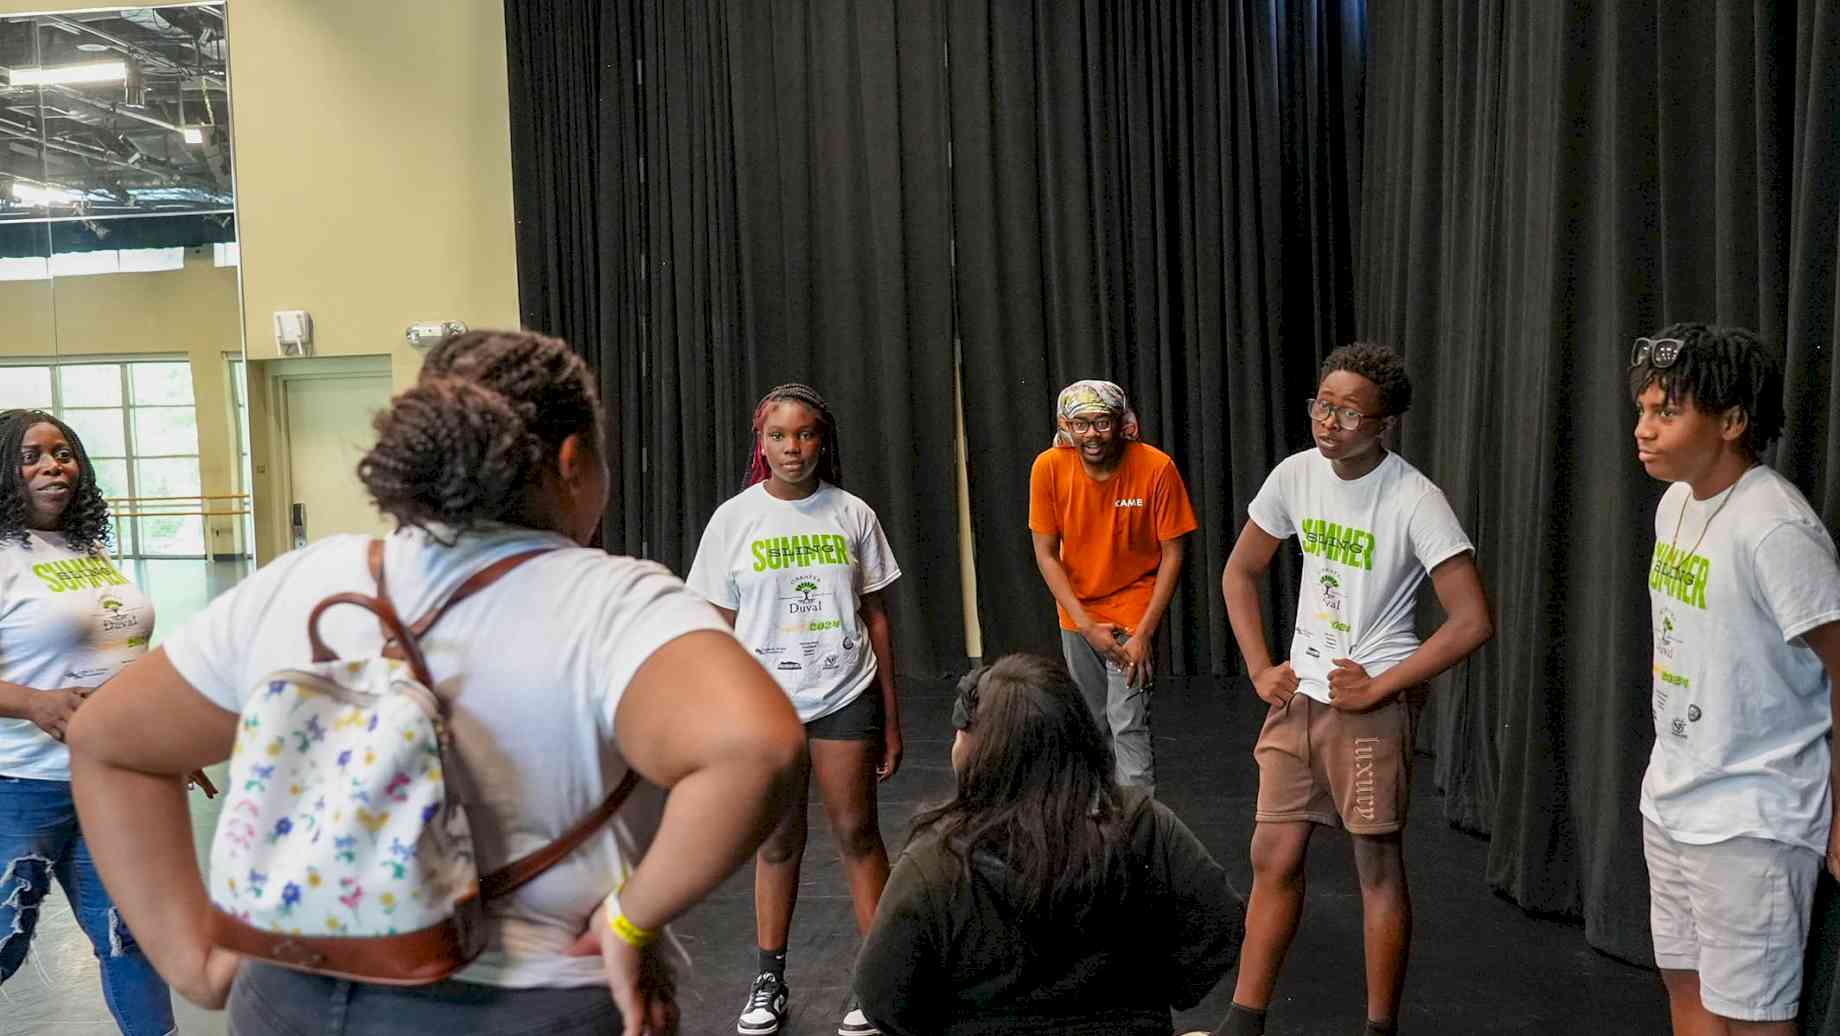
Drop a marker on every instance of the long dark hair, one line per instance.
(85, 522)
(1036, 792)
(489, 412)
(830, 457)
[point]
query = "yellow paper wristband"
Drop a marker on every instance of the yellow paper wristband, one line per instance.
(633, 935)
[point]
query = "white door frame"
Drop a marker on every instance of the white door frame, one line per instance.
(280, 373)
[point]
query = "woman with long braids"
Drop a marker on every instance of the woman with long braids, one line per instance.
(570, 670)
(68, 621)
(798, 566)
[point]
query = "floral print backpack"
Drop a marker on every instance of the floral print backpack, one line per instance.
(342, 848)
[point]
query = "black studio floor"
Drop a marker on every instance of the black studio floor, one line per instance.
(1479, 964)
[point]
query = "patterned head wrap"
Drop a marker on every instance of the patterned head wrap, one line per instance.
(1093, 397)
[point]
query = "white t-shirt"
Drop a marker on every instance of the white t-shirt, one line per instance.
(66, 620)
(1742, 707)
(1367, 546)
(794, 572)
(534, 667)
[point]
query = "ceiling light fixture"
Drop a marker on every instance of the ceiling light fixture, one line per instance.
(192, 134)
(71, 75)
(41, 197)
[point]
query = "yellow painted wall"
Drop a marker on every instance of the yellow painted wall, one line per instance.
(373, 175)
(191, 312)
(373, 170)
(373, 162)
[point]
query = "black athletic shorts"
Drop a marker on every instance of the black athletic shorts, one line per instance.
(860, 720)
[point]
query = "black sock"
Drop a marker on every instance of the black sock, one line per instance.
(773, 961)
(1242, 1021)
(1380, 1028)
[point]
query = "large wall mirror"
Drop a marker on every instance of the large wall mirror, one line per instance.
(119, 302)
(120, 312)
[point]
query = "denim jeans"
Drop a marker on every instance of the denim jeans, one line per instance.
(39, 840)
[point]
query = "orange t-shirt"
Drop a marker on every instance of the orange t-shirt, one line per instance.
(1111, 532)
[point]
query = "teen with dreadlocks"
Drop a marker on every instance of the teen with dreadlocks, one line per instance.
(798, 566)
(1738, 802)
(68, 621)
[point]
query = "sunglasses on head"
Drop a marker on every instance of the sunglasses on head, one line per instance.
(1656, 352)
(964, 708)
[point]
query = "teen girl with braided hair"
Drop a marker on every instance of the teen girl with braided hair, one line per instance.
(799, 566)
(572, 669)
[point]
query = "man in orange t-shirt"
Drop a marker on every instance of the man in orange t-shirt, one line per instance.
(1108, 514)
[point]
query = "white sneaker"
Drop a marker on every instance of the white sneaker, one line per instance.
(855, 1023)
(765, 1011)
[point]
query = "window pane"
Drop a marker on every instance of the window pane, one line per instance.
(111, 478)
(79, 264)
(152, 260)
(171, 536)
(100, 431)
(25, 387)
(165, 430)
(161, 382)
(94, 384)
(25, 268)
(177, 476)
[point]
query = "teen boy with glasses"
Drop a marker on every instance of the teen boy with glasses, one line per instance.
(1336, 748)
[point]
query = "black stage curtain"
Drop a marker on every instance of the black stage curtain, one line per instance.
(713, 198)
(1159, 194)
(1544, 182)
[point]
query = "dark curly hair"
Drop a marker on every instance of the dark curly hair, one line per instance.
(1378, 364)
(830, 458)
(488, 414)
(1719, 368)
(85, 522)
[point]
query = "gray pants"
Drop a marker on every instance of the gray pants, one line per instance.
(274, 1001)
(1121, 711)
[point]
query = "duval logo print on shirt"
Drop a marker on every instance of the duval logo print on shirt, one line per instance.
(1332, 595)
(1679, 574)
(1666, 641)
(120, 616)
(782, 552)
(78, 574)
(1342, 544)
(1330, 614)
(798, 595)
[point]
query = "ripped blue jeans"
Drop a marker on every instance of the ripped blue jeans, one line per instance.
(39, 840)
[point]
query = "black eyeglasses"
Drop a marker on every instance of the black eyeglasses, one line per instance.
(1080, 425)
(1320, 410)
(964, 709)
(1656, 352)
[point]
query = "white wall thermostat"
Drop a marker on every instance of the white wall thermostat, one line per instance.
(428, 335)
(294, 332)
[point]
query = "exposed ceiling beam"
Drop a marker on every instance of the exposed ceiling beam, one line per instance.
(146, 56)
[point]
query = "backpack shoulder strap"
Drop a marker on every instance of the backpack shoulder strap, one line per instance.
(526, 868)
(474, 583)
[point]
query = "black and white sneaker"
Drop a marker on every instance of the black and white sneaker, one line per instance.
(855, 1023)
(766, 1006)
